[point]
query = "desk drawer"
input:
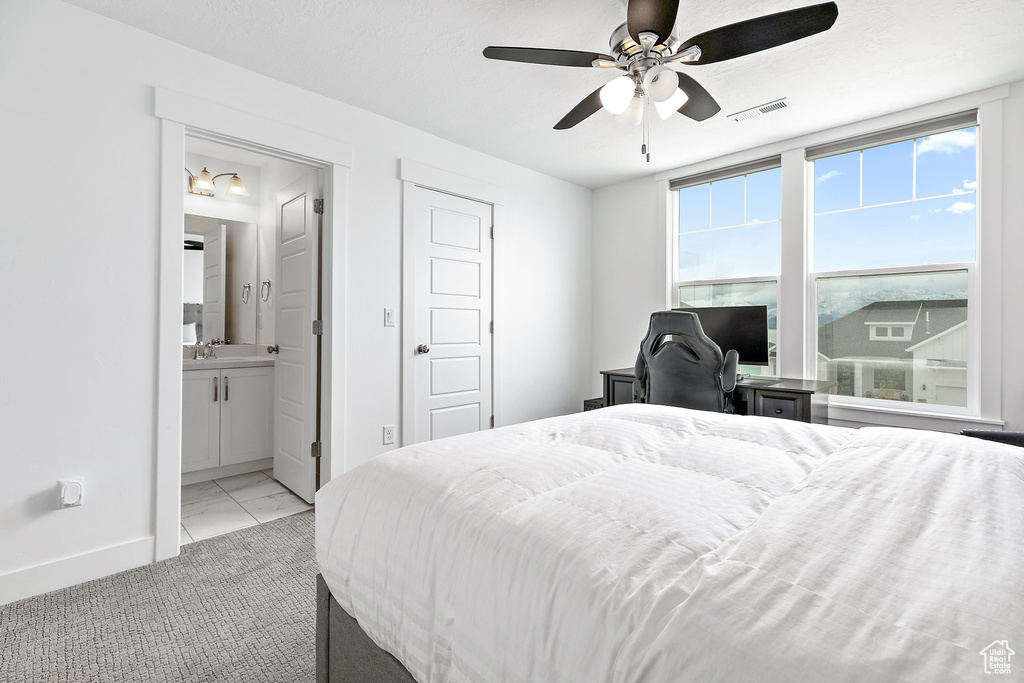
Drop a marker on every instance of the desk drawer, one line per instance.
(786, 405)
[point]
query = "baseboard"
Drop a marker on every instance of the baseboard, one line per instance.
(25, 583)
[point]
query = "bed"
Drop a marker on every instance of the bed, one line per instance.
(658, 544)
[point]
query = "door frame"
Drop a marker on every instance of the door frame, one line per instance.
(414, 174)
(184, 115)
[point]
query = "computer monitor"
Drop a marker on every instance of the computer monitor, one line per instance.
(744, 328)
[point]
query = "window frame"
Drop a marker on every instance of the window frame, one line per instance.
(797, 294)
(858, 402)
(756, 166)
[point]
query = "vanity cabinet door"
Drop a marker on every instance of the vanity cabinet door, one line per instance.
(200, 419)
(245, 412)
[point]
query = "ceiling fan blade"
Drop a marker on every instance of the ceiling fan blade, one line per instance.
(540, 55)
(590, 104)
(700, 105)
(754, 35)
(651, 16)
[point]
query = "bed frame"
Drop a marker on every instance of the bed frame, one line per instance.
(344, 653)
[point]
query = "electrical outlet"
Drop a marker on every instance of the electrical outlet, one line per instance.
(71, 492)
(389, 317)
(389, 434)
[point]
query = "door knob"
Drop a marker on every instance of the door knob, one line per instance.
(422, 348)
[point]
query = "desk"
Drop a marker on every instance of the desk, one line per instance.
(772, 397)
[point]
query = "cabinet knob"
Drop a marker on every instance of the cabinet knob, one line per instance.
(273, 349)
(422, 349)
(778, 411)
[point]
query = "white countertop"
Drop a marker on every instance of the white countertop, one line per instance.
(221, 363)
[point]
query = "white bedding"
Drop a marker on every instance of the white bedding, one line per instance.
(656, 544)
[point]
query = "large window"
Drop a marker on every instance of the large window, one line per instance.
(878, 264)
(728, 242)
(895, 235)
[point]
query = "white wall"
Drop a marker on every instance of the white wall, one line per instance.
(629, 272)
(630, 251)
(79, 268)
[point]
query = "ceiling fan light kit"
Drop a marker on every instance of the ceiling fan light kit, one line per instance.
(647, 45)
(660, 83)
(617, 94)
(633, 113)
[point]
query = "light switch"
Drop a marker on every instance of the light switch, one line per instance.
(389, 317)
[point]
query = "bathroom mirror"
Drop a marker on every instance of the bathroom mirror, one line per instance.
(221, 285)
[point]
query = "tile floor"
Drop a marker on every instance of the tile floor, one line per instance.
(212, 508)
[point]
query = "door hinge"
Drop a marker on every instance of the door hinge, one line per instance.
(492, 232)
(318, 327)
(315, 449)
(318, 206)
(492, 327)
(492, 422)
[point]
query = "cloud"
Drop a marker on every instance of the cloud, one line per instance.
(935, 210)
(947, 143)
(969, 186)
(828, 176)
(915, 217)
(961, 207)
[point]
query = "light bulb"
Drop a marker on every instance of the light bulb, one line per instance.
(203, 184)
(617, 93)
(634, 112)
(671, 105)
(236, 188)
(660, 83)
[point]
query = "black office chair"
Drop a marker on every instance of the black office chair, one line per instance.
(1012, 438)
(678, 365)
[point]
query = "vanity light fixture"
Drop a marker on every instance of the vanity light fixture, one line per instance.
(204, 184)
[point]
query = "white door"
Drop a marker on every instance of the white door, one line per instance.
(213, 283)
(451, 312)
(295, 380)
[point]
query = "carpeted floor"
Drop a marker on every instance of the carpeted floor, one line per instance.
(239, 607)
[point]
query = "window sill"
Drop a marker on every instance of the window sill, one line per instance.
(861, 415)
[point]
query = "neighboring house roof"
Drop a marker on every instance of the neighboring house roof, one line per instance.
(894, 315)
(850, 335)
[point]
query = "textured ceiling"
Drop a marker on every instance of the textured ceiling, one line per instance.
(419, 62)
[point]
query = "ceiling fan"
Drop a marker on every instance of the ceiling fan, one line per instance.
(647, 44)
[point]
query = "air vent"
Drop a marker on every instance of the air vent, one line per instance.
(758, 110)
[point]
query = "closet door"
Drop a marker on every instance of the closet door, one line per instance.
(200, 419)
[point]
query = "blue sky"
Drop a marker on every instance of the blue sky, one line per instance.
(731, 227)
(907, 203)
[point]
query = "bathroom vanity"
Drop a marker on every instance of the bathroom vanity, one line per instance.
(227, 422)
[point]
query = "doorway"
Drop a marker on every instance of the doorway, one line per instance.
(248, 412)
(184, 117)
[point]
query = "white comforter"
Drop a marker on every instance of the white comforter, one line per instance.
(655, 544)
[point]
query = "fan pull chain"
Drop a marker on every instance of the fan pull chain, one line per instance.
(645, 148)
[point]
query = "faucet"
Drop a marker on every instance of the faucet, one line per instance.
(211, 350)
(195, 354)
